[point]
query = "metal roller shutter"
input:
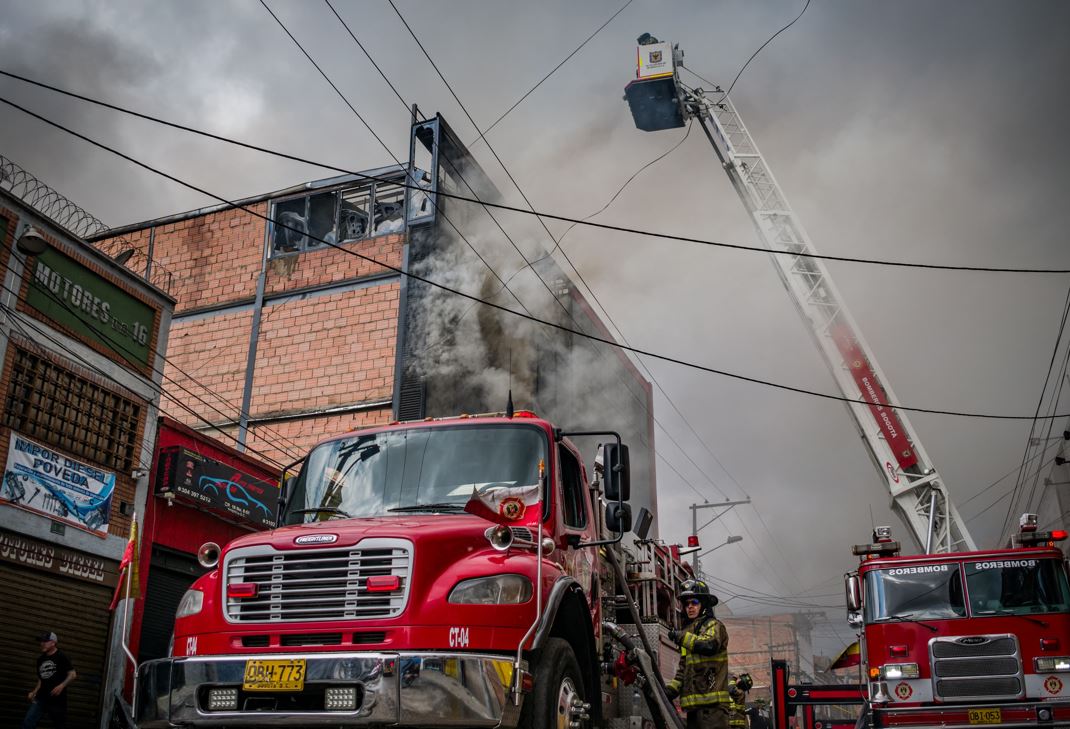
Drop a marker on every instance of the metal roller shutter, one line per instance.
(170, 575)
(78, 612)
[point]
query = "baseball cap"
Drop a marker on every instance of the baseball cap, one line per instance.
(46, 636)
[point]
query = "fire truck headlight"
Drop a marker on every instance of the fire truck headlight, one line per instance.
(191, 604)
(493, 590)
(894, 671)
(1052, 664)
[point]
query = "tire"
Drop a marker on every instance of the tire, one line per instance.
(558, 682)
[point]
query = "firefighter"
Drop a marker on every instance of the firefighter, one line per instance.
(738, 686)
(701, 680)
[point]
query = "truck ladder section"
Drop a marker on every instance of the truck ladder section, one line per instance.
(918, 493)
(786, 698)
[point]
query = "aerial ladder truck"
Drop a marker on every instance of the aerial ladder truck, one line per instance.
(952, 637)
(658, 100)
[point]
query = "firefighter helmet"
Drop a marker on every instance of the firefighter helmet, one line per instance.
(699, 590)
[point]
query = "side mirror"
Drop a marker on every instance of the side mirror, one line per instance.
(617, 474)
(618, 517)
(853, 586)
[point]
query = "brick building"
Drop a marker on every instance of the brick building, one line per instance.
(81, 342)
(294, 319)
(755, 640)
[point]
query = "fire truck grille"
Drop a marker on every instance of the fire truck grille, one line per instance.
(988, 688)
(318, 585)
(976, 666)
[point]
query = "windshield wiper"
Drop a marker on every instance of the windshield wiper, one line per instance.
(320, 509)
(908, 618)
(445, 506)
(1030, 618)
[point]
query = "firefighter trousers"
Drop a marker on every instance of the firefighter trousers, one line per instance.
(708, 717)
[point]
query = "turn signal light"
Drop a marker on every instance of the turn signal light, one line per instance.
(243, 589)
(383, 583)
(897, 651)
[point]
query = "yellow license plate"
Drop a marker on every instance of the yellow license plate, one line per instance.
(262, 675)
(985, 716)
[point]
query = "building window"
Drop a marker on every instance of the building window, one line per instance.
(350, 213)
(62, 409)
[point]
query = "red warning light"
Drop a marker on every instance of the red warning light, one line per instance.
(692, 540)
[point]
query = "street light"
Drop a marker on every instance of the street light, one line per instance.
(730, 540)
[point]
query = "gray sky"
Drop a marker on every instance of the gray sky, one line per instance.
(906, 130)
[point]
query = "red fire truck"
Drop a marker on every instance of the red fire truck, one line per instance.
(443, 572)
(966, 638)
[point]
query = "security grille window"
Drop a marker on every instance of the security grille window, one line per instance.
(353, 213)
(58, 407)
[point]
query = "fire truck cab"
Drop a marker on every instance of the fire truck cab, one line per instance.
(447, 572)
(961, 639)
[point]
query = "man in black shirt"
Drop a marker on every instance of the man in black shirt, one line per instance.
(49, 696)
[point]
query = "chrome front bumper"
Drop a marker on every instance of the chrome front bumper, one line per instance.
(401, 689)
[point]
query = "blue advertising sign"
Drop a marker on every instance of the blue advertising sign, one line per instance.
(40, 479)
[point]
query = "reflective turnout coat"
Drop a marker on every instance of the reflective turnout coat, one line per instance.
(737, 709)
(702, 677)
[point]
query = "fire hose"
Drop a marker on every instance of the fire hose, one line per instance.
(661, 707)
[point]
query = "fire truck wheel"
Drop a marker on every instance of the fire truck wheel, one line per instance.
(558, 697)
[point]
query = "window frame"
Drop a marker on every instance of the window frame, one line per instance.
(563, 453)
(373, 191)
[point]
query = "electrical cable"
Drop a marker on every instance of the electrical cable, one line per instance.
(126, 354)
(383, 144)
(1016, 469)
(18, 324)
(528, 202)
(470, 297)
(486, 131)
(539, 214)
(1053, 404)
(1019, 482)
(752, 57)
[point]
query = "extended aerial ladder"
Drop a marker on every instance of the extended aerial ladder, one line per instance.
(659, 101)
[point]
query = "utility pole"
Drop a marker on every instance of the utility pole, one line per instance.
(694, 522)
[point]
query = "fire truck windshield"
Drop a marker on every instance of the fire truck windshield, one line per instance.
(917, 592)
(1012, 586)
(418, 470)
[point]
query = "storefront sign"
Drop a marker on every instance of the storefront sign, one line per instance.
(34, 553)
(215, 485)
(42, 480)
(70, 294)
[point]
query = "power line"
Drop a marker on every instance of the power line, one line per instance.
(528, 264)
(1020, 482)
(528, 202)
(382, 143)
(519, 101)
(126, 354)
(499, 307)
(752, 56)
(539, 214)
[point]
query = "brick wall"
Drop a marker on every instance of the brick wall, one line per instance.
(324, 351)
(327, 351)
(207, 356)
(754, 641)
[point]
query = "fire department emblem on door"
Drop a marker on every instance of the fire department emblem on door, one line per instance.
(903, 691)
(1053, 685)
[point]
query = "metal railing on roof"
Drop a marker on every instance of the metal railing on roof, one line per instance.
(26, 187)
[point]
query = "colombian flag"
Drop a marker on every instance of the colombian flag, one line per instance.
(849, 656)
